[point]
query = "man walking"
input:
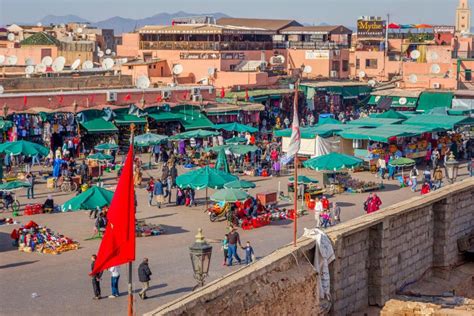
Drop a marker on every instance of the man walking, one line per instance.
(144, 277)
(30, 192)
(158, 193)
(234, 239)
(115, 276)
(149, 189)
(414, 178)
(95, 280)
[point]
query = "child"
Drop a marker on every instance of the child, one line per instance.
(225, 248)
(425, 188)
(325, 218)
(249, 255)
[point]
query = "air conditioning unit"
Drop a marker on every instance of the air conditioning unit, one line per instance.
(195, 91)
(436, 85)
(197, 98)
(333, 74)
(165, 94)
(111, 96)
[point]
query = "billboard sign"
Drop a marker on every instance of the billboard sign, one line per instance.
(370, 28)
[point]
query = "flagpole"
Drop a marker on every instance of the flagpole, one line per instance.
(130, 264)
(295, 177)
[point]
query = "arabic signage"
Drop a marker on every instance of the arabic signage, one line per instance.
(317, 54)
(373, 28)
(443, 29)
(200, 56)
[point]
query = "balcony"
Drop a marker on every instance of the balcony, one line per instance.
(214, 46)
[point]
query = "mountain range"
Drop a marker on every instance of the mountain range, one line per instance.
(121, 24)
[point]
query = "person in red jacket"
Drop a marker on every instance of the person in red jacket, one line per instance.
(325, 202)
(372, 204)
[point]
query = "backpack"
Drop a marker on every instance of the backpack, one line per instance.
(366, 204)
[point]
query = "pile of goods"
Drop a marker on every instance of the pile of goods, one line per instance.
(354, 185)
(34, 238)
(33, 209)
(143, 229)
(259, 221)
(8, 221)
(274, 214)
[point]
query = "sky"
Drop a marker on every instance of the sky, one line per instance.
(309, 11)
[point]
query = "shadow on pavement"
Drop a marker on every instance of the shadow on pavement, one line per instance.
(17, 264)
(281, 222)
(171, 230)
(390, 187)
(6, 242)
(176, 291)
(157, 216)
(345, 204)
(153, 287)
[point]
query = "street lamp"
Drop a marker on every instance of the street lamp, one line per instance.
(200, 253)
(452, 166)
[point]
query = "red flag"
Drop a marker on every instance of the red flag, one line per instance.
(25, 100)
(118, 245)
(185, 96)
(128, 97)
(61, 99)
(159, 98)
(222, 93)
(246, 94)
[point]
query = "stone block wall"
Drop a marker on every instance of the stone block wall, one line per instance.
(376, 255)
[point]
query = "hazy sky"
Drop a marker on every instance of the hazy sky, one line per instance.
(310, 11)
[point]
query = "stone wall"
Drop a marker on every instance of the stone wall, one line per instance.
(376, 255)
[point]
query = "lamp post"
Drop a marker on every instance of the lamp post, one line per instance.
(452, 166)
(200, 253)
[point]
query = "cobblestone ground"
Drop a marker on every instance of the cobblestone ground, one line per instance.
(63, 286)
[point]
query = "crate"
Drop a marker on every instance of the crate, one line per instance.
(268, 198)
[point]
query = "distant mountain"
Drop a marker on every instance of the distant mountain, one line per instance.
(58, 19)
(122, 25)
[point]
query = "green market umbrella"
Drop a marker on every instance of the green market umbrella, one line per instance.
(198, 133)
(205, 177)
(14, 185)
(236, 127)
(149, 139)
(23, 147)
(100, 157)
(236, 140)
(221, 163)
(402, 162)
(332, 162)
(89, 200)
(303, 180)
(230, 195)
(106, 146)
(240, 184)
(235, 149)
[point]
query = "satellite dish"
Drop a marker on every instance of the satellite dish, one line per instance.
(62, 25)
(434, 56)
(75, 64)
(108, 63)
(2, 59)
(87, 65)
(1, 89)
(12, 60)
(413, 78)
(435, 69)
(11, 37)
(114, 54)
(211, 71)
(29, 61)
(79, 30)
(40, 68)
(415, 54)
(29, 70)
(402, 101)
(177, 69)
(142, 82)
(100, 53)
(371, 83)
(60, 60)
(57, 66)
(108, 51)
(47, 61)
(362, 74)
(307, 69)
(39, 24)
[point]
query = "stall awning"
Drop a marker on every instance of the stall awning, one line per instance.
(164, 116)
(99, 125)
(374, 121)
(196, 122)
(323, 130)
(431, 100)
(381, 134)
(5, 125)
(403, 102)
(447, 122)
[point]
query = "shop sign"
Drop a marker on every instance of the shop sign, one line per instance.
(374, 28)
(317, 54)
(232, 56)
(198, 55)
(443, 29)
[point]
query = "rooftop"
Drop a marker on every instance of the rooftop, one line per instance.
(398, 93)
(322, 29)
(267, 24)
(40, 39)
(202, 29)
(320, 84)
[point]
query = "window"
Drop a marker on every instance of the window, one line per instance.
(335, 65)
(371, 63)
(357, 63)
(130, 67)
(232, 67)
(149, 66)
(468, 75)
(345, 65)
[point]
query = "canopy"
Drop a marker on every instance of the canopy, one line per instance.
(402, 162)
(198, 133)
(431, 100)
(374, 121)
(5, 125)
(328, 120)
(149, 139)
(235, 149)
(447, 122)
(23, 147)
(332, 162)
(392, 101)
(100, 157)
(188, 115)
(391, 114)
(221, 163)
(106, 146)
(303, 180)
(236, 127)
(323, 130)
(99, 125)
(14, 185)
(89, 200)
(236, 140)
(240, 184)
(205, 177)
(230, 195)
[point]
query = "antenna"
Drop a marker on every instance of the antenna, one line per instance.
(12, 60)
(108, 63)
(415, 54)
(362, 74)
(29, 69)
(75, 64)
(40, 68)
(1, 89)
(307, 69)
(87, 65)
(11, 37)
(2, 59)
(29, 61)
(435, 69)
(413, 78)
(108, 51)
(142, 82)
(177, 69)
(47, 61)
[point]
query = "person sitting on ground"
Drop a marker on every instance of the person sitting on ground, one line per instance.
(48, 206)
(100, 223)
(425, 188)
